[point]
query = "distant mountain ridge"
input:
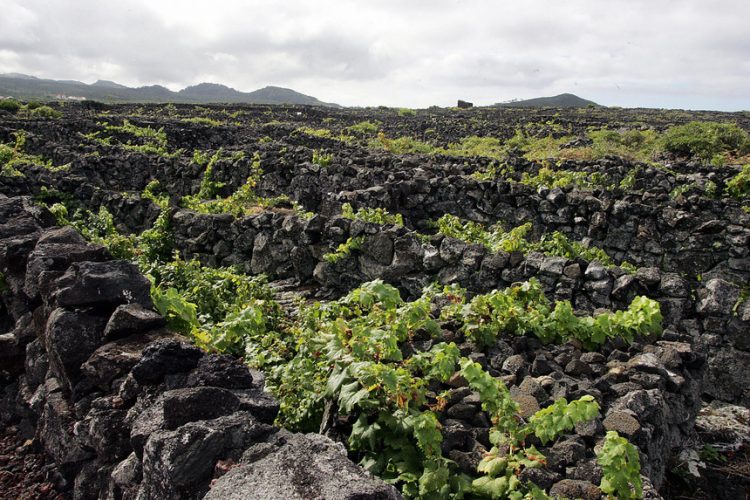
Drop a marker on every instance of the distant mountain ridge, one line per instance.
(29, 87)
(558, 101)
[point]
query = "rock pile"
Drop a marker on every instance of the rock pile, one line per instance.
(128, 409)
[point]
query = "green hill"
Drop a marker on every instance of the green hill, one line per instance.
(28, 87)
(558, 101)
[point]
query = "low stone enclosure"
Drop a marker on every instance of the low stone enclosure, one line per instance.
(128, 408)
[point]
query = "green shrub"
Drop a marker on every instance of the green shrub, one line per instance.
(322, 159)
(631, 144)
(375, 215)
(13, 155)
(45, 112)
(32, 105)
(202, 120)
(706, 140)
(401, 145)
(9, 105)
(488, 147)
(365, 128)
(739, 185)
(406, 112)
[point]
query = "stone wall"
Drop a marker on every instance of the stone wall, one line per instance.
(283, 245)
(126, 408)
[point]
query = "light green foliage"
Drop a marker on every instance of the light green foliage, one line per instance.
(153, 192)
(322, 159)
(349, 352)
(220, 308)
(364, 128)
(229, 310)
(344, 249)
(375, 215)
(639, 145)
(493, 172)
(401, 145)
(551, 178)
(316, 132)
(536, 148)
(682, 189)
(496, 239)
(621, 467)
(523, 309)
(209, 188)
(216, 291)
(13, 156)
(97, 227)
(202, 120)
(739, 185)
(561, 417)
(509, 454)
(45, 112)
(148, 140)
(242, 202)
(179, 312)
(628, 182)
(154, 244)
(706, 140)
(402, 112)
(324, 133)
(9, 105)
(556, 243)
(489, 147)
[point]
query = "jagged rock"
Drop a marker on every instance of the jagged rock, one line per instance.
(180, 462)
(125, 478)
(724, 426)
(263, 406)
(71, 337)
(572, 488)
(300, 467)
(104, 430)
(595, 271)
(56, 432)
(181, 406)
(565, 453)
(132, 318)
(622, 422)
(673, 285)
(717, 297)
(109, 283)
(163, 358)
(543, 478)
(221, 371)
(55, 251)
(115, 359)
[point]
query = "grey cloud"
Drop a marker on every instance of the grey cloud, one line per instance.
(416, 53)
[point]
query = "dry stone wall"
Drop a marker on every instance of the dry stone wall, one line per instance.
(128, 409)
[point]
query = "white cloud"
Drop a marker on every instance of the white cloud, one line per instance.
(685, 53)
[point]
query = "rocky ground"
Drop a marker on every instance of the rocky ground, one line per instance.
(102, 399)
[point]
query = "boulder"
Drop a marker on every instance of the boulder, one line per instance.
(71, 337)
(109, 283)
(165, 357)
(300, 466)
(132, 318)
(717, 297)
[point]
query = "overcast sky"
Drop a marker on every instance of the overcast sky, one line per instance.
(656, 53)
